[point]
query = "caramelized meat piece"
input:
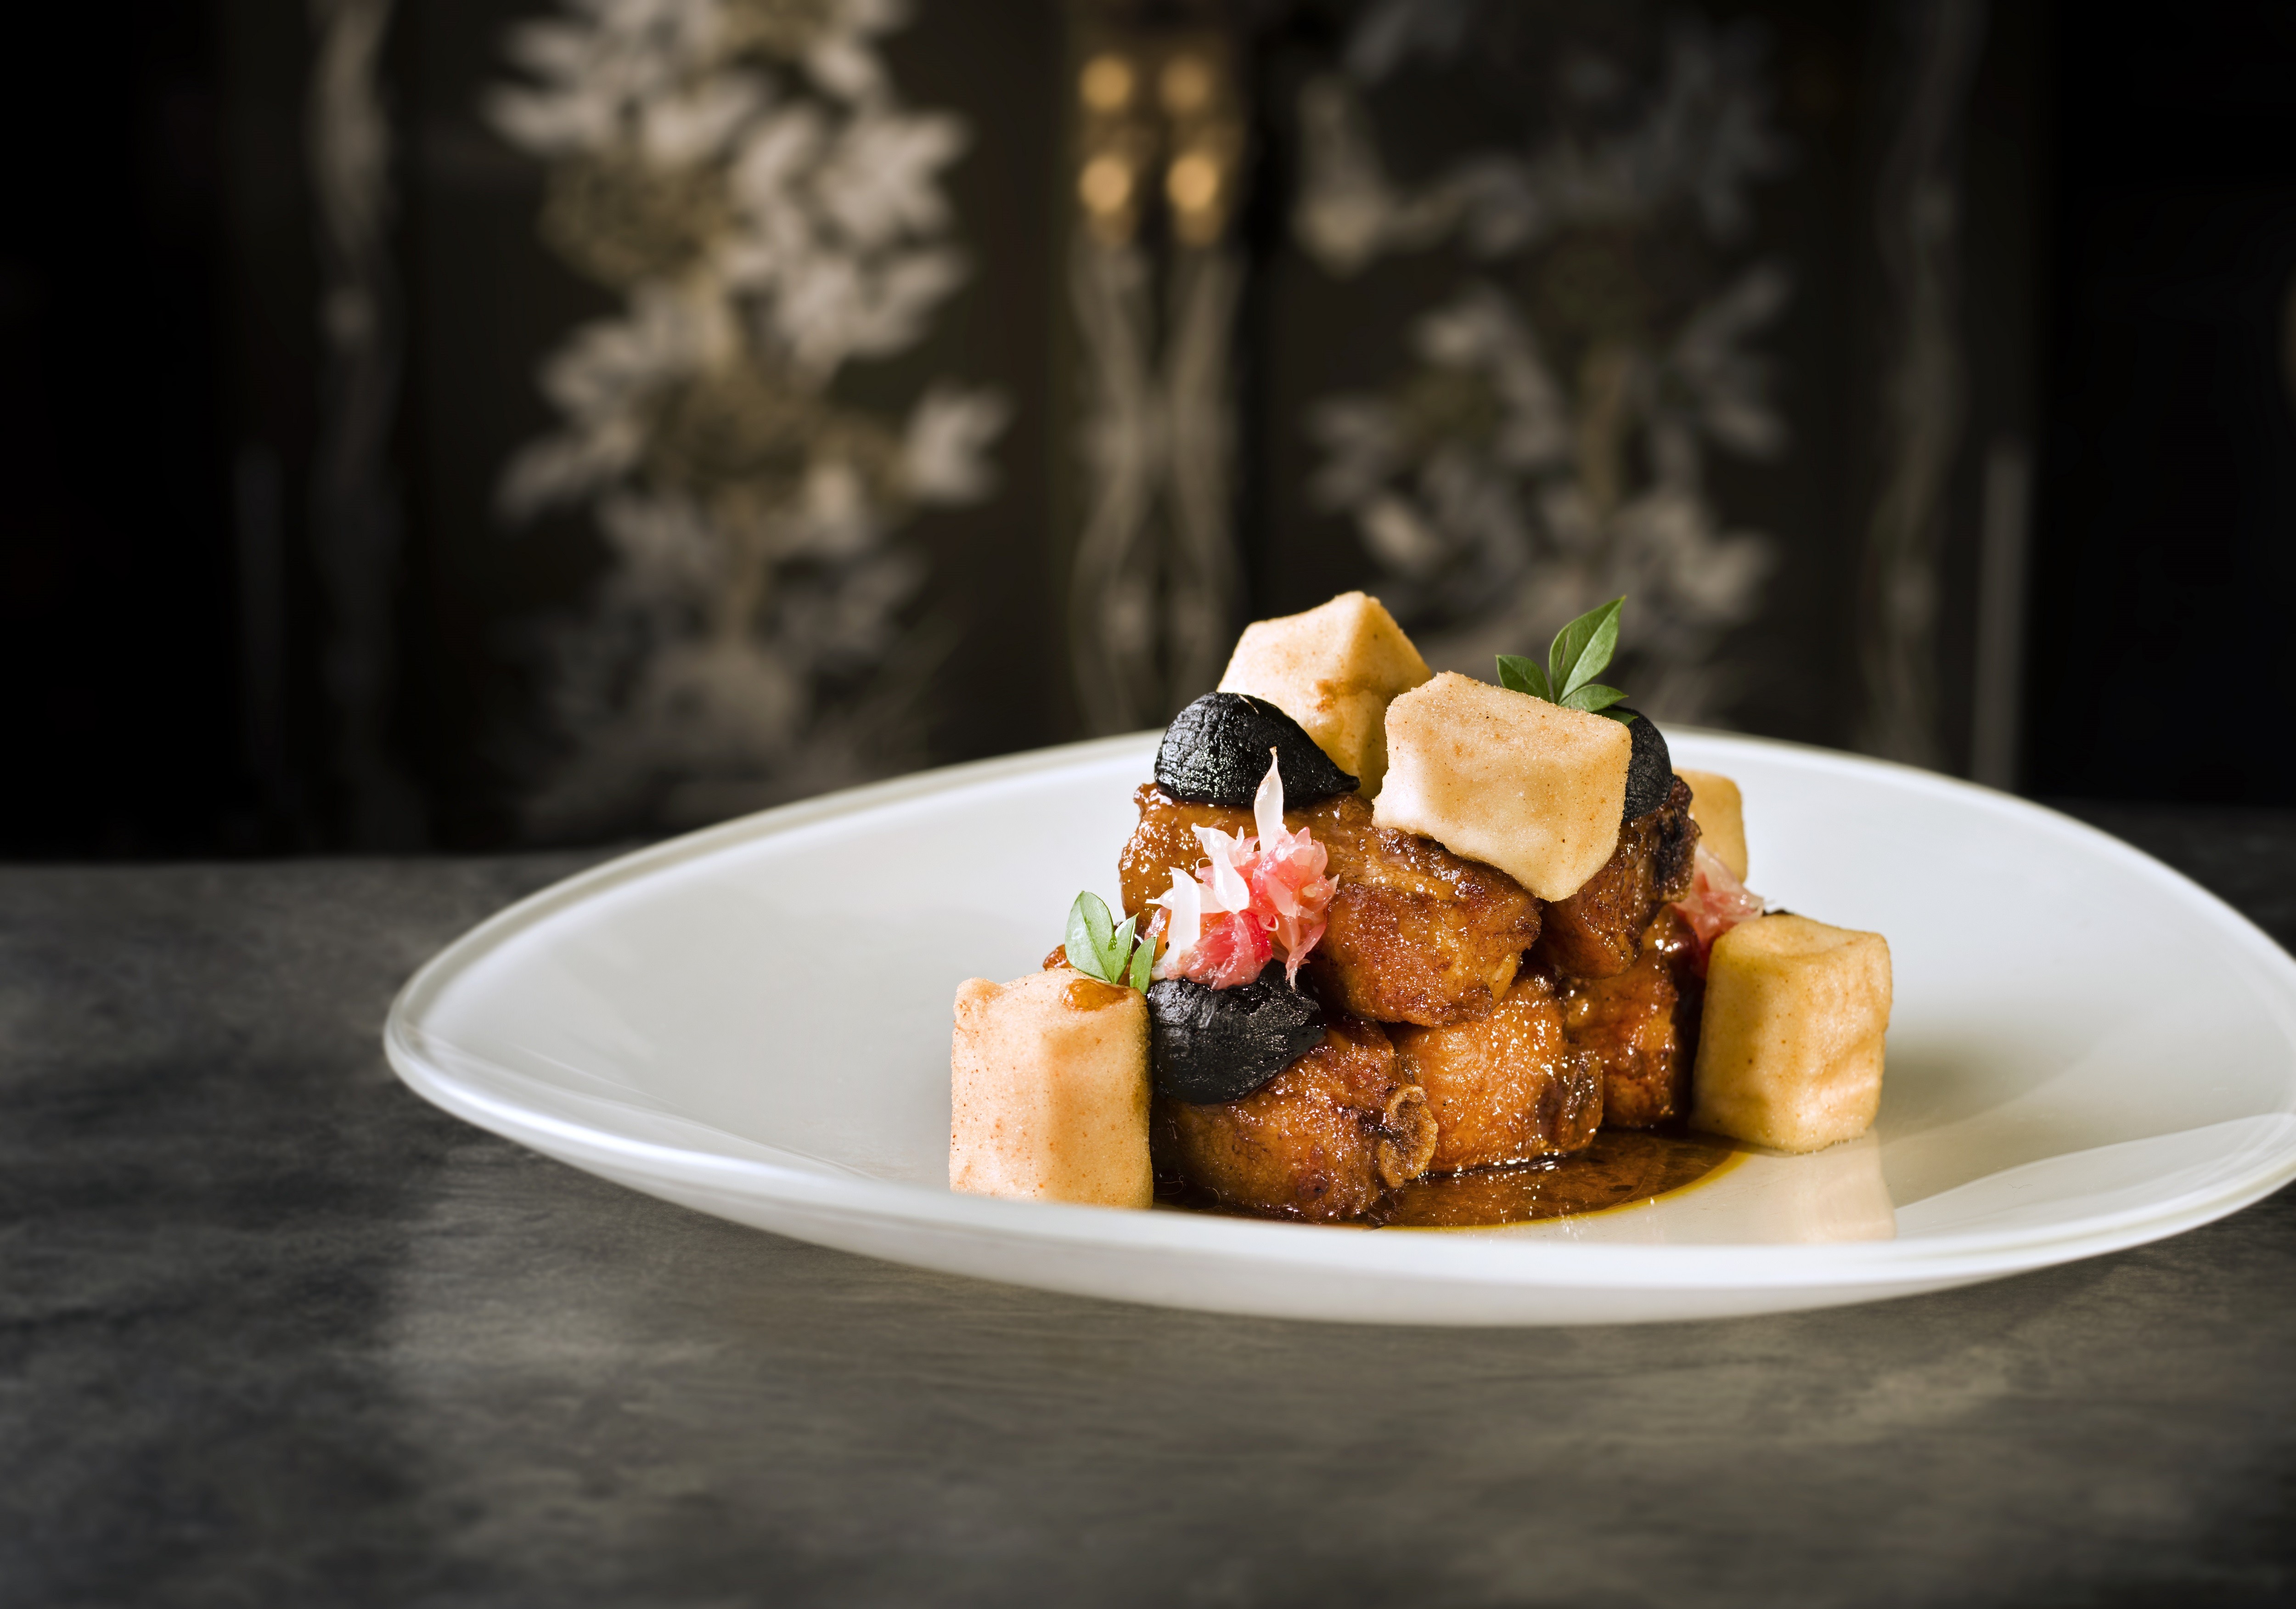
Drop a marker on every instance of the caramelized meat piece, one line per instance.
(1165, 838)
(1640, 1028)
(1415, 934)
(1507, 1088)
(1325, 1139)
(1596, 932)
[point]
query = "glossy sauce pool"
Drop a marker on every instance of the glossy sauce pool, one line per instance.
(1623, 1168)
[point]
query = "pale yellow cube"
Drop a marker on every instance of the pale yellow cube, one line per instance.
(1790, 1045)
(1048, 1091)
(1333, 669)
(1720, 812)
(1511, 780)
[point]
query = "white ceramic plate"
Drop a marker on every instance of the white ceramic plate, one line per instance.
(2087, 1052)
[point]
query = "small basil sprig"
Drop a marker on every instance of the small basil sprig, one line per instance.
(1577, 656)
(1099, 949)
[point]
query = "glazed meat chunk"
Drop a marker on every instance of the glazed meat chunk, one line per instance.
(1639, 1030)
(1597, 931)
(1324, 1140)
(1507, 1088)
(1165, 838)
(1415, 934)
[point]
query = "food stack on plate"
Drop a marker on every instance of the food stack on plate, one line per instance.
(1380, 924)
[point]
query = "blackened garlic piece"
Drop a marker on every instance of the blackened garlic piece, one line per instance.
(1650, 773)
(1216, 751)
(1209, 1044)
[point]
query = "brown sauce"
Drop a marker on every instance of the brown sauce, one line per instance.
(1623, 1168)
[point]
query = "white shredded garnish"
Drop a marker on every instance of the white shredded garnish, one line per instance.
(1267, 804)
(1185, 901)
(1228, 890)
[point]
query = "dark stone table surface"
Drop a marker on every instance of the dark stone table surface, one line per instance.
(274, 1331)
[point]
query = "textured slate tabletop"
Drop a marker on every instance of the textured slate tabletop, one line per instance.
(274, 1331)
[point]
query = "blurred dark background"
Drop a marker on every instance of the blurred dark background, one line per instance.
(463, 425)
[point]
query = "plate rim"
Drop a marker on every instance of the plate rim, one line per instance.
(1496, 1261)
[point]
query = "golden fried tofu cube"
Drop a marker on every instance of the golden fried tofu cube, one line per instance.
(1790, 1045)
(1333, 669)
(1720, 812)
(1512, 781)
(1048, 1091)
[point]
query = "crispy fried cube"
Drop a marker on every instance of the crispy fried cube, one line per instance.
(1048, 1091)
(1720, 812)
(1500, 777)
(1507, 1088)
(1325, 1139)
(1415, 933)
(1790, 1045)
(1333, 669)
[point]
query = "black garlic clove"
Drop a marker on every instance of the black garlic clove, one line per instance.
(1215, 753)
(1211, 1045)
(1650, 774)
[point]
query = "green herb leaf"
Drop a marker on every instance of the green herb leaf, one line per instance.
(1594, 698)
(1525, 675)
(1099, 949)
(1583, 648)
(1577, 655)
(1090, 928)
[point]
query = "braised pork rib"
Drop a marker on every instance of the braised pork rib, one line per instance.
(1639, 1030)
(1509, 1088)
(1324, 1140)
(1597, 931)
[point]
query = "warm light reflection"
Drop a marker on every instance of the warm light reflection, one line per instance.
(1106, 84)
(1194, 183)
(1105, 184)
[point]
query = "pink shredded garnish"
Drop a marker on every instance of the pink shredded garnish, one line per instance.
(1718, 902)
(1255, 899)
(1233, 949)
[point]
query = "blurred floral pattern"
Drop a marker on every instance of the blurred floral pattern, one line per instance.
(743, 175)
(1547, 450)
